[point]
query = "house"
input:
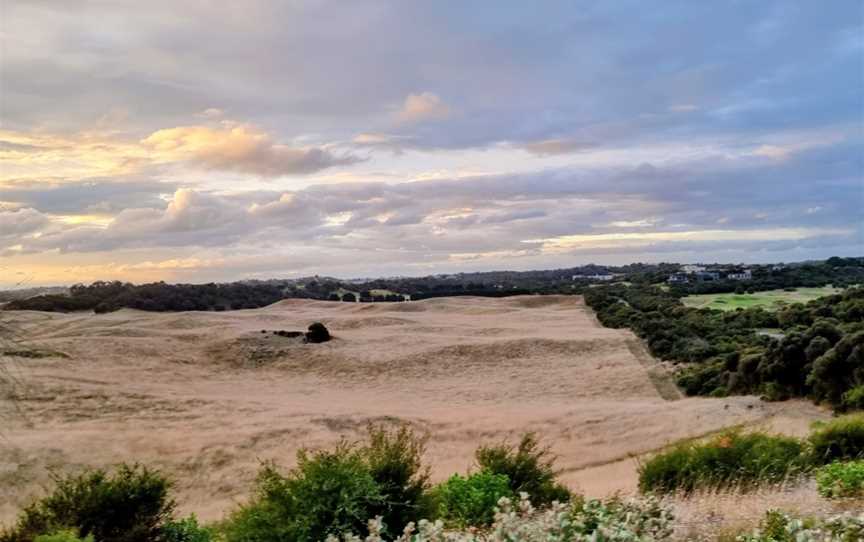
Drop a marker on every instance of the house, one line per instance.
(678, 278)
(743, 275)
(704, 276)
(692, 268)
(597, 276)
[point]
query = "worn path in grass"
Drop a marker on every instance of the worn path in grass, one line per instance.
(206, 396)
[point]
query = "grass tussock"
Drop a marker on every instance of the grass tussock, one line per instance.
(731, 459)
(839, 439)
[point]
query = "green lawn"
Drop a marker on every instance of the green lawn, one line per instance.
(770, 300)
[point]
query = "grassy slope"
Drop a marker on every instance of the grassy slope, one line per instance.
(770, 300)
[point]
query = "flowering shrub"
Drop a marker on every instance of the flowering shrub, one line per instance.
(839, 480)
(780, 527)
(594, 521)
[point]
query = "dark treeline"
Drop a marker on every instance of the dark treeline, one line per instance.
(819, 352)
(158, 296)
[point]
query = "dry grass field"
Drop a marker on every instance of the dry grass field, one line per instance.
(206, 396)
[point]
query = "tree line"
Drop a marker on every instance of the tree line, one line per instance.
(816, 351)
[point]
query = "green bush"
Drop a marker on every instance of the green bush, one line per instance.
(328, 492)
(529, 467)
(837, 480)
(733, 458)
(839, 439)
(395, 461)
(185, 530)
(130, 505)
(63, 536)
(470, 501)
(853, 399)
(338, 491)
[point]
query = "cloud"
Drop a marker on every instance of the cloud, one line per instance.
(630, 241)
(422, 107)
(211, 113)
(557, 146)
(21, 222)
(241, 148)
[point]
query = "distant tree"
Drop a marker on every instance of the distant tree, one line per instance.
(317, 333)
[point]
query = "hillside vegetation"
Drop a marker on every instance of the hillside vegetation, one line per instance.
(819, 355)
(159, 296)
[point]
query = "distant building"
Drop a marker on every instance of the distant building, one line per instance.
(692, 268)
(743, 275)
(596, 276)
(678, 278)
(707, 275)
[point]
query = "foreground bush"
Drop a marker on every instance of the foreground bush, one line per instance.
(130, 505)
(780, 527)
(839, 439)
(839, 480)
(731, 459)
(186, 530)
(528, 467)
(470, 501)
(337, 491)
(63, 536)
(594, 521)
(395, 461)
(328, 492)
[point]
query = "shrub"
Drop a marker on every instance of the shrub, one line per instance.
(609, 521)
(186, 530)
(63, 536)
(842, 438)
(837, 480)
(328, 492)
(732, 458)
(529, 469)
(317, 333)
(780, 527)
(130, 505)
(394, 459)
(470, 501)
(853, 399)
(616, 519)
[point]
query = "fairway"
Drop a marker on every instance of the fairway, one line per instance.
(770, 300)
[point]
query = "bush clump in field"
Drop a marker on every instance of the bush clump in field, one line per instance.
(529, 467)
(731, 459)
(470, 500)
(337, 491)
(129, 505)
(839, 439)
(317, 333)
(840, 480)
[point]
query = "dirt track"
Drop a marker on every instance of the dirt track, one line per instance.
(207, 396)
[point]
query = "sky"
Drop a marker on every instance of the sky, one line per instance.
(206, 141)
